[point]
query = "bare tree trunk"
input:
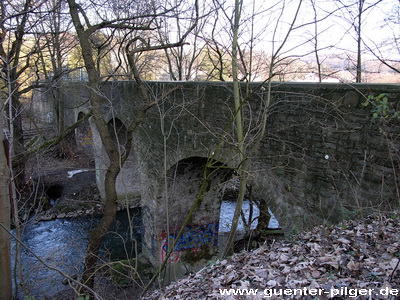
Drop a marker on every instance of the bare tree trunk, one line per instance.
(98, 102)
(97, 235)
(11, 63)
(318, 61)
(239, 132)
(5, 259)
(111, 148)
(16, 138)
(359, 39)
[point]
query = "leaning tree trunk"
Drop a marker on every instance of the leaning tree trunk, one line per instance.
(5, 260)
(112, 172)
(116, 161)
(97, 102)
(96, 236)
(243, 162)
(16, 139)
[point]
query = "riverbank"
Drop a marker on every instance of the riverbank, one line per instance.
(62, 187)
(354, 255)
(59, 187)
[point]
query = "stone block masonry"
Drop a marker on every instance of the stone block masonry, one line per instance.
(329, 155)
(315, 153)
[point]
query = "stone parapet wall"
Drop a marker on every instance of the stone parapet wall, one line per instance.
(327, 153)
(315, 153)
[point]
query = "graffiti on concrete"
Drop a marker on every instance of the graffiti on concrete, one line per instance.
(192, 237)
(86, 140)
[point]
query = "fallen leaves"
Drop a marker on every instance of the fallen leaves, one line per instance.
(353, 255)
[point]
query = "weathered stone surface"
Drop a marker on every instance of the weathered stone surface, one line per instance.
(351, 99)
(305, 124)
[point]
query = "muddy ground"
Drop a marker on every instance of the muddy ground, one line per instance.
(59, 186)
(64, 186)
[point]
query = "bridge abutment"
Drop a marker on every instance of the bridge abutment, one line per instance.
(315, 154)
(178, 193)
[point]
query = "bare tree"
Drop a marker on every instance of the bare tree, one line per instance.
(387, 52)
(19, 69)
(182, 61)
(243, 162)
(355, 13)
(13, 26)
(5, 211)
(84, 32)
(281, 52)
(16, 22)
(138, 21)
(53, 62)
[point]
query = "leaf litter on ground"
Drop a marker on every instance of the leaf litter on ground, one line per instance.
(354, 255)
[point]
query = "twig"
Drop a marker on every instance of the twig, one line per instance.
(50, 266)
(199, 197)
(394, 270)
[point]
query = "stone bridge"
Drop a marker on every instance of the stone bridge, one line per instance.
(315, 153)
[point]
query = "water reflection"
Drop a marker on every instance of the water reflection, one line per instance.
(62, 243)
(227, 212)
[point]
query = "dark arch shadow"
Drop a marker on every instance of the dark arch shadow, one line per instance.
(84, 136)
(118, 132)
(199, 240)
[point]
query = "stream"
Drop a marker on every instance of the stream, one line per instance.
(62, 243)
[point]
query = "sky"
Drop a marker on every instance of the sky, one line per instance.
(335, 31)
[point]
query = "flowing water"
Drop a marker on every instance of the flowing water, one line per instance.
(62, 243)
(227, 212)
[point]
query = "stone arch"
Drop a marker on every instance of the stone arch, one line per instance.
(184, 180)
(118, 132)
(128, 183)
(199, 240)
(129, 179)
(84, 135)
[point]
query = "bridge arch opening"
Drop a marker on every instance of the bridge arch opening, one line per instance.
(256, 214)
(182, 184)
(204, 236)
(184, 180)
(118, 130)
(84, 135)
(118, 133)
